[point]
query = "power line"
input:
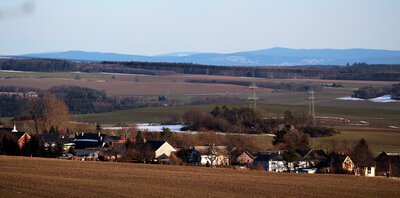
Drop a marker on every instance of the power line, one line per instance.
(311, 107)
(253, 95)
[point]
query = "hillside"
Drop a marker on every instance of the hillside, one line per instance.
(36, 177)
(273, 56)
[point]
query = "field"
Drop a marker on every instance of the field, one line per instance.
(376, 117)
(380, 116)
(35, 177)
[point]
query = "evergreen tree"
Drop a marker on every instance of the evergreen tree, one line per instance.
(34, 146)
(43, 151)
(139, 138)
(290, 156)
(10, 145)
(165, 133)
(58, 149)
(279, 137)
(25, 150)
(361, 154)
(71, 151)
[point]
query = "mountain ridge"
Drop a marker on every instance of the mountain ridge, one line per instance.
(265, 57)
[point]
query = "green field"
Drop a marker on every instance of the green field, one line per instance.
(38, 177)
(376, 117)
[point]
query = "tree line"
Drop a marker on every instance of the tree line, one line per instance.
(357, 71)
(251, 121)
(373, 92)
(298, 87)
(79, 100)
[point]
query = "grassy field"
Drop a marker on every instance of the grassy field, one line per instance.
(35, 177)
(376, 117)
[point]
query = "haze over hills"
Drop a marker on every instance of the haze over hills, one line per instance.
(273, 56)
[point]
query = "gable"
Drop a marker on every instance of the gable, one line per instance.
(166, 146)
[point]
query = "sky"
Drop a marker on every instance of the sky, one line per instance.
(152, 27)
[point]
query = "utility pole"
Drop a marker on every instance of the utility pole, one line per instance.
(311, 107)
(253, 95)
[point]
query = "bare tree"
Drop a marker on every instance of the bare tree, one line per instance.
(48, 111)
(34, 108)
(55, 112)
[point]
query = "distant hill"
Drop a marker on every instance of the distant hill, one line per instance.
(273, 56)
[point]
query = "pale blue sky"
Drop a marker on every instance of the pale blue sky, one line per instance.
(150, 27)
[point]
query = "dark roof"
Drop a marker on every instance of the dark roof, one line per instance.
(67, 140)
(18, 135)
(154, 145)
(391, 155)
(269, 156)
(85, 144)
(90, 136)
(314, 155)
(249, 154)
(332, 159)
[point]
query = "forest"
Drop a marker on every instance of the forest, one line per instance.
(357, 71)
(79, 100)
(373, 92)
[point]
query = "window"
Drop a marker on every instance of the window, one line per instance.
(369, 170)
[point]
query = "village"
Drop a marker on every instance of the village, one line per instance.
(102, 147)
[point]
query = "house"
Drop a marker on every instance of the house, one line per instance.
(314, 157)
(161, 149)
(336, 163)
(87, 154)
(20, 136)
(368, 171)
(211, 155)
(52, 138)
(89, 140)
(245, 158)
(388, 164)
(271, 161)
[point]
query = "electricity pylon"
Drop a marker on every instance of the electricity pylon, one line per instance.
(311, 107)
(253, 95)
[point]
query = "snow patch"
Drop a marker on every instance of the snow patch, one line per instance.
(381, 99)
(385, 98)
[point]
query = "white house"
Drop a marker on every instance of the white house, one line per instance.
(213, 155)
(271, 161)
(162, 149)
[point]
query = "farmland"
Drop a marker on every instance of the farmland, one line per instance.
(377, 118)
(379, 115)
(31, 177)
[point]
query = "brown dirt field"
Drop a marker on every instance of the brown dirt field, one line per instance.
(347, 81)
(146, 85)
(36, 177)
